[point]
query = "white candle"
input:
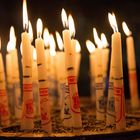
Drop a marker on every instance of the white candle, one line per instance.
(27, 121)
(100, 97)
(92, 59)
(133, 85)
(4, 110)
(42, 79)
(72, 80)
(118, 76)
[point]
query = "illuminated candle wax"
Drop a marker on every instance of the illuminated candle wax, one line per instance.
(42, 79)
(64, 89)
(53, 72)
(92, 59)
(100, 97)
(4, 110)
(133, 85)
(71, 77)
(27, 121)
(110, 113)
(105, 56)
(118, 75)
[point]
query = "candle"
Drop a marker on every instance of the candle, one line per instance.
(99, 84)
(71, 77)
(64, 89)
(92, 59)
(118, 75)
(27, 121)
(42, 79)
(53, 72)
(133, 85)
(4, 110)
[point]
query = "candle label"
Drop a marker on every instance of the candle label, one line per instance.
(119, 103)
(4, 111)
(75, 101)
(27, 89)
(44, 106)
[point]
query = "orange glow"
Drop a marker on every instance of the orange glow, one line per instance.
(90, 46)
(59, 41)
(39, 27)
(71, 26)
(25, 15)
(126, 29)
(64, 18)
(113, 22)
(46, 36)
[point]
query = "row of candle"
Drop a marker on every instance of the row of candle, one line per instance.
(36, 74)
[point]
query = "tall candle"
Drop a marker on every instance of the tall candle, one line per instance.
(133, 85)
(4, 110)
(100, 97)
(27, 121)
(42, 79)
(118, 75)
(92, 59)
(71, 77)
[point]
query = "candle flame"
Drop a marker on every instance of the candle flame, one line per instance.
(21, 48)
(52, 45)
(71, 25)
(25, 15)
(104, 40)
(64, 18)
(59, 41)
(78, 47)
(113, 22)
(34, 54)
(97, 39)
(30, 31)
(90, 46)
(9, 48)
(39, 27)
(46, 36)
(12, 40)
(126, 29)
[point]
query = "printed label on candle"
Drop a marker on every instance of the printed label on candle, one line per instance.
(111, 107)
(27, 88)
(72, 80)
(101, 104)
(99, 86)
(29, 108)
(2, 92)
(119, 104)
(44, 105)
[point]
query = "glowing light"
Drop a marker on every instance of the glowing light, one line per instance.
(71, 26)
(90, 46)
(104, 40)
(39, 27)
(78, 47)
(46, 36)
(30, 31)
(34, 54)
(25, 15)
(52, 45)
(59, 40)
(126, 29)
(64, 18)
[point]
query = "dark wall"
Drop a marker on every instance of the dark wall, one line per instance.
(87, 14)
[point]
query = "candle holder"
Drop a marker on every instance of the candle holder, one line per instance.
(91, 129)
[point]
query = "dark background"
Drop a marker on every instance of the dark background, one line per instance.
(87, 14)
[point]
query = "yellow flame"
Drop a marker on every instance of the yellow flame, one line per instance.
(39, 27)
(71, 26)
(46, 36)
(25, 15)
(113, 22)
(59, 40)
(12, 40)
(52, 45)
(97, 39)
(90, 46)
(34, 54)
(30, 31)
(126, 29)
(104, 40)
(78, 47)
(64, 18)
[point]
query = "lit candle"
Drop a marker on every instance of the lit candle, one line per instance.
(64, 94)
(71, 77)
(118, 75)
(53, 72)
(133, 86)
(42, 79)
(92, 59)
(4, 110)
(27, 121)
(99, 84)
